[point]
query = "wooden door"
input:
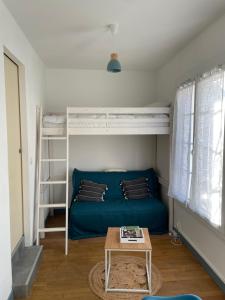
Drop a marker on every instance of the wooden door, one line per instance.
(14, 150)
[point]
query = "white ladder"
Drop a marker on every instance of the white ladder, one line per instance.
(41, 182)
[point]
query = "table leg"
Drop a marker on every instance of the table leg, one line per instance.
(106, 268)
(109, 267)
(150, 271)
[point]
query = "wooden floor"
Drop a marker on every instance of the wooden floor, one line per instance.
(63, 277)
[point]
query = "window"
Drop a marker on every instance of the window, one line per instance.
(202, 158)
(182, 143)
(207, 173)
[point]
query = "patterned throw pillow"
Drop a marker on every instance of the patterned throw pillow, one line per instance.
(91, 194)
(139, 180)
(91, 191)
(136, 188)
(139, 194)
(84, 198)
(94, 184)
(92, 188)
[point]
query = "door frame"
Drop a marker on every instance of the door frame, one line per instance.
(24, 146)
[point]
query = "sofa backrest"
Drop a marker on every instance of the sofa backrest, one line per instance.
(113, 180)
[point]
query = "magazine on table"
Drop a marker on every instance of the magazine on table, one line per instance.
(131, 234)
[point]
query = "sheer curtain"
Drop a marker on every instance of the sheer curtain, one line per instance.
(207, 171)
(182, 143)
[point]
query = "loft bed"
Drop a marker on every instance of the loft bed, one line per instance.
(108, 121)
(92, 121)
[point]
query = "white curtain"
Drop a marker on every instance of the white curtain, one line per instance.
(182, 143)
(207, 172)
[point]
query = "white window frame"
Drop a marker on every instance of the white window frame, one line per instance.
(220, 230)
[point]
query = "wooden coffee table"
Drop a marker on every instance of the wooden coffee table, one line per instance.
(112, 244)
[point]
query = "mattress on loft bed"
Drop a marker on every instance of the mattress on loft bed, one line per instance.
(78, 120)
(54, 121)
(92, 219)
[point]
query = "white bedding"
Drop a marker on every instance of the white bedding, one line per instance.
(137, 116)
(110, 120)
(54, 119)
(112, 125)
(137, 125)
(58, 121)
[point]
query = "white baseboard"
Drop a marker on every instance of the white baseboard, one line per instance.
(201, 254)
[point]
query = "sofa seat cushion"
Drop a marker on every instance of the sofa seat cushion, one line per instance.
(92, 219)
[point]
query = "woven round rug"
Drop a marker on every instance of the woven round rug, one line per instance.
(126, 272)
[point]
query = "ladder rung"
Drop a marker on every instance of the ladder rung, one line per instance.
(53, 137)
(52, 205)
(53, 182)
(54, 229)
(53, 159)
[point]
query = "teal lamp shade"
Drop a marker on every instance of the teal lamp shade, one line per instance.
(114, 65)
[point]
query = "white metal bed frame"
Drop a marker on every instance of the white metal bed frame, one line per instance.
(106, 127)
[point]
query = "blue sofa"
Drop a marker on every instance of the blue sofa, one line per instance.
(91, 219)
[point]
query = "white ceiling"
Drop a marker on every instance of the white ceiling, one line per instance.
(72, 34)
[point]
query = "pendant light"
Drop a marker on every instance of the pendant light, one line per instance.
(114, 65)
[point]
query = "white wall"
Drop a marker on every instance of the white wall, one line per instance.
(14, 40)
(100, 88)
(97, 88)
(204, 52)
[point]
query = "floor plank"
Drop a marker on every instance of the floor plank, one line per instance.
(66, 277)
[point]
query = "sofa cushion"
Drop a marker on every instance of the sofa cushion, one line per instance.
(133, 182)
(113, 181)
(94, 184)
(135, 187)
(91, 219)
(137, 194)
(91, 191)
(91, 194)
(88, 198)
